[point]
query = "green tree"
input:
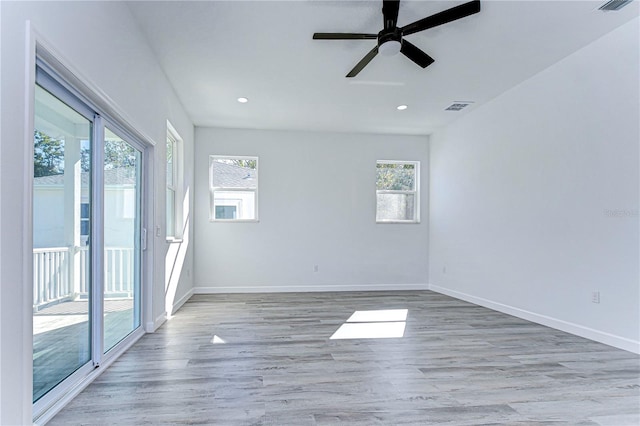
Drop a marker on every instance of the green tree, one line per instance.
(48, 155)
(117, 154)
(85, 157)
(395, 177)
(249, 164)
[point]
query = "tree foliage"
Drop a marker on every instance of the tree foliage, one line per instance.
(249, 164)
(395, 177)
(117, 154)
(48, 155)
(239, 162)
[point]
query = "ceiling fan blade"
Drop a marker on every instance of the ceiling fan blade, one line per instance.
(415, 54)
(443, 17)
(363, 62)
(390, 13)
(344, 36)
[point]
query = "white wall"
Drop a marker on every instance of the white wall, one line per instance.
(102, 42)
(522, 189)
(48, 217)
(49, 213)
(316, 205)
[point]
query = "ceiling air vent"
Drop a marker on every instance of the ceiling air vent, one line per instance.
(457, 106)
(614, 5)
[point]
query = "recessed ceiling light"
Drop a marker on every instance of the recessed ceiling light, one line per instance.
(243, 100)
(401, 107)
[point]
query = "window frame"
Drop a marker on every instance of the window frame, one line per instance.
(175, 187)
(213, 189)
(415, 192)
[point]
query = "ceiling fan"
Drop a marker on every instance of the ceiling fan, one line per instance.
(391, 38)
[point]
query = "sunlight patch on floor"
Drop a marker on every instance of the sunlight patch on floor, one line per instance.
(377, 324)
(217, 340)
(43, 324)
(370, 330)
(382, 315)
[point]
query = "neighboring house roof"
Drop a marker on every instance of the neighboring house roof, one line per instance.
(119, 176)
(232, 176)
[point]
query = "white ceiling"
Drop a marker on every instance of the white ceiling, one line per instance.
(216, 51)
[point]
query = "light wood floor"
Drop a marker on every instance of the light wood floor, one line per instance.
(457, 364)
(61, 338)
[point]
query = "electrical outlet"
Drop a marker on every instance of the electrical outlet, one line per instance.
(315, 268)
(595, 297)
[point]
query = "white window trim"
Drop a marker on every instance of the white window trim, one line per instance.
(213, 189)
(178, 184)
(416, 193)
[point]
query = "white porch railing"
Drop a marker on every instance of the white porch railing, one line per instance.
(59, 274)
(51, 275)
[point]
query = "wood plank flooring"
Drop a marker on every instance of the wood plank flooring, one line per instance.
(61, 338)
(457, 364)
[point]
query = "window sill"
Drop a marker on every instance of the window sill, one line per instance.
(171, 240)
(234, 220)
(395, 222)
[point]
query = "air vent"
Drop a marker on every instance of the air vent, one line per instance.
(614, 5)
(457, 106)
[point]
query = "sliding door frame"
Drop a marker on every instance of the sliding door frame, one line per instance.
(85, 97)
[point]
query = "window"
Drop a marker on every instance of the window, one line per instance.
(233, 184)
(174, 180)
(397, 192)
(84, 222)
(226, 212)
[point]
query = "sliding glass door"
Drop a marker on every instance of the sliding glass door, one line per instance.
(87, 238)
(122, 166)
(61, 246)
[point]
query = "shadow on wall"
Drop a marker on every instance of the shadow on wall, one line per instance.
(174, 260)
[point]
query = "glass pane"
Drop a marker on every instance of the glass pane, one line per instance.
(84, 210)
(238, 204)
(121, 238)
(396, 207)
(170, 159)
(61, 251)
(396, 177)
(234, 173)
(226, 212)
(84, 228)
(171, 200)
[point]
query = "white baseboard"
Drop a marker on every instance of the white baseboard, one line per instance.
(178, 304)
(307, 288)
(153, 326)
(576, 329)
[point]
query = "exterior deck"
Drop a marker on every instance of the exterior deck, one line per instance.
(61, 304)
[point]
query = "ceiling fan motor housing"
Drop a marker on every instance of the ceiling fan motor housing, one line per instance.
(390, 41)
